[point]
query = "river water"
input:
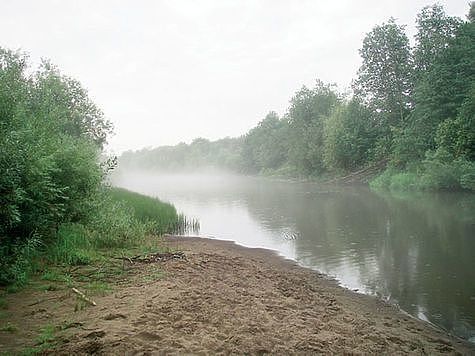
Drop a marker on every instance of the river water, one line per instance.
(416, 250)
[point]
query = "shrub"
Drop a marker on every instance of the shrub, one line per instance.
(438, 172)
(404, 181)
(18, 261)
(383, 181)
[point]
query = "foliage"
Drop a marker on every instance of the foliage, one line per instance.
(308, 111)
(349, 137)
(54, 205)
(457, 136)
(435, 31)
(384, 80)
(445, 92)
(265, 146)
(439, 171)
(50, 135)
(18, 261)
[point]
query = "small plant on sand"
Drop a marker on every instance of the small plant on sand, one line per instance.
(9, 327)
(49, 287)
(46, 336)
(55, 276)
(154, 274)
(3, 303)
(44, 341)
(99, 288)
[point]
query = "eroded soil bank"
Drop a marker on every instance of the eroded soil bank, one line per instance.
(223, 298)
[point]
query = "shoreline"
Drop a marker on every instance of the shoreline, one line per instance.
(225, 298)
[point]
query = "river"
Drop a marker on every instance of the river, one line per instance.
(416, 250)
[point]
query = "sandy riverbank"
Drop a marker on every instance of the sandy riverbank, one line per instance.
(224, 298)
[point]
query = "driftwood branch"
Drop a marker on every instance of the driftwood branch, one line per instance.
(155, 257)
(362, 175)
(83, 296)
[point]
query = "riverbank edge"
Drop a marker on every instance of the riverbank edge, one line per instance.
(275, 257)
(223, 298)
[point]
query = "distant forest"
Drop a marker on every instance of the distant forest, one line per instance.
(411, 111)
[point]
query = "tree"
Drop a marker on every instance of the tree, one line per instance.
(444, 89)
(457, 135)
(62, 100)
(435, 30)
(309, 108)
(349, 137)
(384, 80)
(50, 139)
(471, 13)
(265, 146)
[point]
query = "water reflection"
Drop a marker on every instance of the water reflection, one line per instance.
(417, 250)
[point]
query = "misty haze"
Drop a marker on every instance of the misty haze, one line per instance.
(239, 177)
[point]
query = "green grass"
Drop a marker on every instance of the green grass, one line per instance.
(121, 223)
(162, 216)
(125, 220)
(71, 246)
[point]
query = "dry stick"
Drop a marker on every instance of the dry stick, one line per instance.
(83, 296)
(39, 301)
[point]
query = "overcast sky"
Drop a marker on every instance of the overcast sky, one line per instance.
(170, 71)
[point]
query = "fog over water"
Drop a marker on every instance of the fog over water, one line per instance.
(417, 251)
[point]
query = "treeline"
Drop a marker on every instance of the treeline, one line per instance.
(54, 202)
(412, 108)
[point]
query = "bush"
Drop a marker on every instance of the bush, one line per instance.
(18, 261)
(438, 172)
(404, 181)
(467, 181)
(442, 172)
(52, 193)
(115, 225)
(50, 138)
(383, 181)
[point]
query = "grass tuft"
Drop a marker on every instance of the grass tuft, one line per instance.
(160, 216)
(46, 336)
(3, 303)
(9, 327)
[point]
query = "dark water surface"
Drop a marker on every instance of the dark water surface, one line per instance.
(416, 250)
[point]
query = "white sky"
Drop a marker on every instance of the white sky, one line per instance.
(170, 71)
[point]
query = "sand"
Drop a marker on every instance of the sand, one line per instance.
(227, 299)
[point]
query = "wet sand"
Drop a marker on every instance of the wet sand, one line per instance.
(227, 299)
